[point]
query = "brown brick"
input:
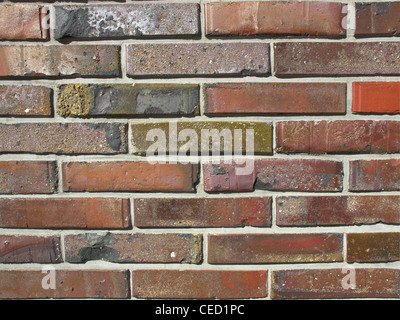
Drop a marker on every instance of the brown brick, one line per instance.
(328, 283)
(340, 210)
(27, 284)
(76, 213)
(195, 59)
(60, 61)
(19, 100)
(134, 248)
(274, 174)
(23, 22)
(275, 98)
(377, 19)
(375, 175)
(274, 18)
(341, 136)
(274, 248)
(337, 58)
(127, 21)
(128, 176)
(122, 100)
(22, 177)
(373, 247)
(64, 138)
(202, 212)
(199, 284)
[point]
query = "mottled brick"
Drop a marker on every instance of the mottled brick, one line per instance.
(126, 100)
(202, 212)
(274, 248)
(23, 177)
(373, 247)
(275, 98)
(198, 59)
(328, 283)
(57, 213)
(134, 248)
(337, 210)
(126, 176)
(64, 138)
(199, 284)
(336, 137)
(29, 249)
(127, 21)
(337, 58)
(293, 18)
(375, 175)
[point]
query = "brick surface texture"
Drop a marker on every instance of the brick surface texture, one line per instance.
(199, 149)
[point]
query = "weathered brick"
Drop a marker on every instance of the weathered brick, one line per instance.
(376, 97)
(140, 176)
(377, 19)
(373, 247)
(27, 284)
(274, 248)
(101, 100)
(134, 248)
(202, 212)
(375, 175)
(341, 136)
(125, 21)
(22, 177)
(328, 283)
(274, 174)
(60, 61)
(30, 249)
(203, 136)
(275, 98)
(337, 58)
(64, 138)
(195, 59)
(23, 22)
(274, 18)
(77, 213)
(199, 284)
(337, 210)
(17, 100)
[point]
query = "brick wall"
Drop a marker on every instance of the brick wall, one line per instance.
(81, 86)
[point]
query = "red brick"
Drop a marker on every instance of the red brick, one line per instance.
(23, 22)
(22, 177)
(29, 249)
(376, 97)
(133, 248)
(27, 284)
(183, 59)
(77, 213)
(64, 138)
(375, 175)
(275, 98)
(273, 18)
(274, 248)
(60, 61)
(202, 212)
(274, 174)
(128, 176)
(336, 58)
(19, 100)
(199, 284)
(341, 136)
(320, 284)
(377, 19)
(373, 247)
(337, 210)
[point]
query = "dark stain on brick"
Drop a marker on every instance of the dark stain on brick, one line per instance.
(218, 170)
(382, 8)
